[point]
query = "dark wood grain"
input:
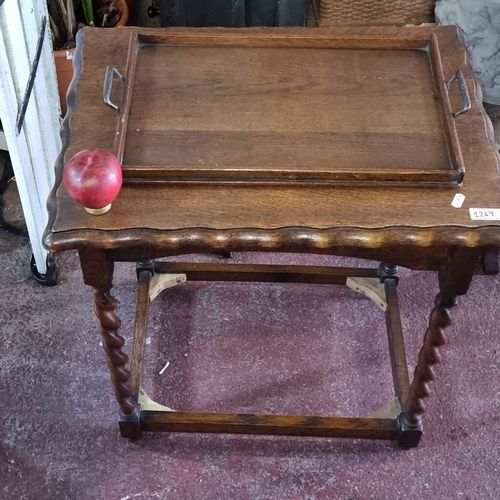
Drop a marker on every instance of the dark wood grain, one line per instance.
(456, 273)
(98, 273)
(269, 424)
(140, 331)
(455, 277)
(411, 423)
(352, 115)
(442, 94)
(429, 356)
(396, 343)
(353, 216)
(125, 98)
(424, 259)
(338, 38)
(264, 273)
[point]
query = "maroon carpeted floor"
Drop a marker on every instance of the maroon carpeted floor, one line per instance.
(240, 347)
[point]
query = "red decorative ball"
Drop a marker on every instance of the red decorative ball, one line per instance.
(93, 178)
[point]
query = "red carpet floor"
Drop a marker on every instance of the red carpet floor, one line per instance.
(246, 348)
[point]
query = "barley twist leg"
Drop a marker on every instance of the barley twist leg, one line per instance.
(109, 324)
(429, 356)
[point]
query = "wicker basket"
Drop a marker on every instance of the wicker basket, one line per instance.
(373, 12)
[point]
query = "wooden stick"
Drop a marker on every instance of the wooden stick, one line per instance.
(396, 343)
(370, 428)
(264, 273)
(140, 331)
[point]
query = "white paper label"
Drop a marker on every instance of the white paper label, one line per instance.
(458, 201)
(484, 213)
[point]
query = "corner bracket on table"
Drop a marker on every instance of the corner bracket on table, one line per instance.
(147, 404)
(370, 288)
(391, 410)
(160, 282)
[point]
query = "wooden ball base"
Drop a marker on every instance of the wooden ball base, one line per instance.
(98, 211)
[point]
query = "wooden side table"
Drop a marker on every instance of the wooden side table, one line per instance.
(396, 216)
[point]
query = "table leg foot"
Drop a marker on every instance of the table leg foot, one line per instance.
(409, 433)
(130, 425)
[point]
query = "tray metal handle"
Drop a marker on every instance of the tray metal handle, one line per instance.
(107, 87)
(464, 92)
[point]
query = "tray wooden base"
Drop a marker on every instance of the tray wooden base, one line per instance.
(351, 110)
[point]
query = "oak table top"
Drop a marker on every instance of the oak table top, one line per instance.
(352, 215)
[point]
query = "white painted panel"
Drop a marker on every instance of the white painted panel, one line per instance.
(33, 152)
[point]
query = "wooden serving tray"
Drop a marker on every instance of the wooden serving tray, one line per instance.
(232, 107)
